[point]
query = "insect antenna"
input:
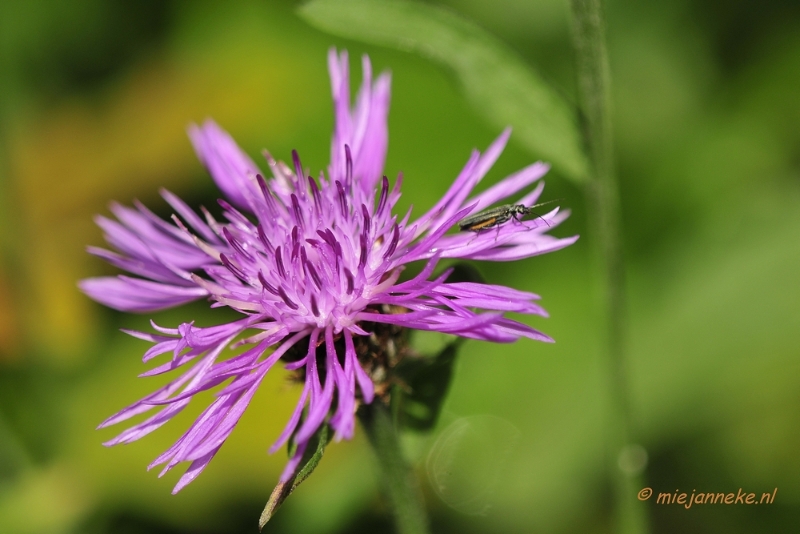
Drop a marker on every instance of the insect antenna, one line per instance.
(540, 204)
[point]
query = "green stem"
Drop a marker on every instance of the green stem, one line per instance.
(594, 96)
(401, 486)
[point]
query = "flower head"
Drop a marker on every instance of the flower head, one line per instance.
(313, 267)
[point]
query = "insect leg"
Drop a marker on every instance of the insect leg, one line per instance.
(537, 216)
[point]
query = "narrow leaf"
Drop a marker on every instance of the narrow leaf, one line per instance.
(311, 457)
(495, 80)
(427, 380)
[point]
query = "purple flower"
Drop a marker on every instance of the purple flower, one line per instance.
(312, 265)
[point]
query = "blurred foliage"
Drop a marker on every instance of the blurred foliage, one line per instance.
(499, 85)
(95, 99)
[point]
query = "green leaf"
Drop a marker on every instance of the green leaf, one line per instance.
(311, 457)
(427, 380)
(496, 81)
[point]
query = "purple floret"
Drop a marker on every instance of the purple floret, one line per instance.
(309, 263)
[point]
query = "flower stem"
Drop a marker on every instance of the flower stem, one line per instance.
(594, 95)
(401, 486)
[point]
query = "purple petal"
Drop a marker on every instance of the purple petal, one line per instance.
(232, 170)
(194, 471)
(135, 295)
(195, 222)
(545, 245)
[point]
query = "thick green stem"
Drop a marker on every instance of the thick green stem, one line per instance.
(401, 486)
(594, 95)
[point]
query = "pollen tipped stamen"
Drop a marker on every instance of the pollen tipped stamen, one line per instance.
(393, 243)
(337, 248)
(367, 220)
(232, 268)
(341, 196)
(225, 205)
(384, 195)
(289, 302)
(314, 307)
(264, 240)
(298, 167)
(298, 214)
(330, 239)
(295, 243)
(349, 280)
(362, 261)
(314, 275)
(312, 184)
(233, 215)
(269, 200)
(269, 287)
(327, 237)
(237, 246)
(312, 272)
(279, 263)
(348, 165)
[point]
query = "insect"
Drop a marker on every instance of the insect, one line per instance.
(494, 217)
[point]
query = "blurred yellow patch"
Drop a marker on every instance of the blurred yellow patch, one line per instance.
(43, 501)
(71, 162)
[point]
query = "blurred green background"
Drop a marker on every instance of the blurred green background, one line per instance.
(95, 99)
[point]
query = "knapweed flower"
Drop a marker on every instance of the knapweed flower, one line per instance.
(313, 266)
